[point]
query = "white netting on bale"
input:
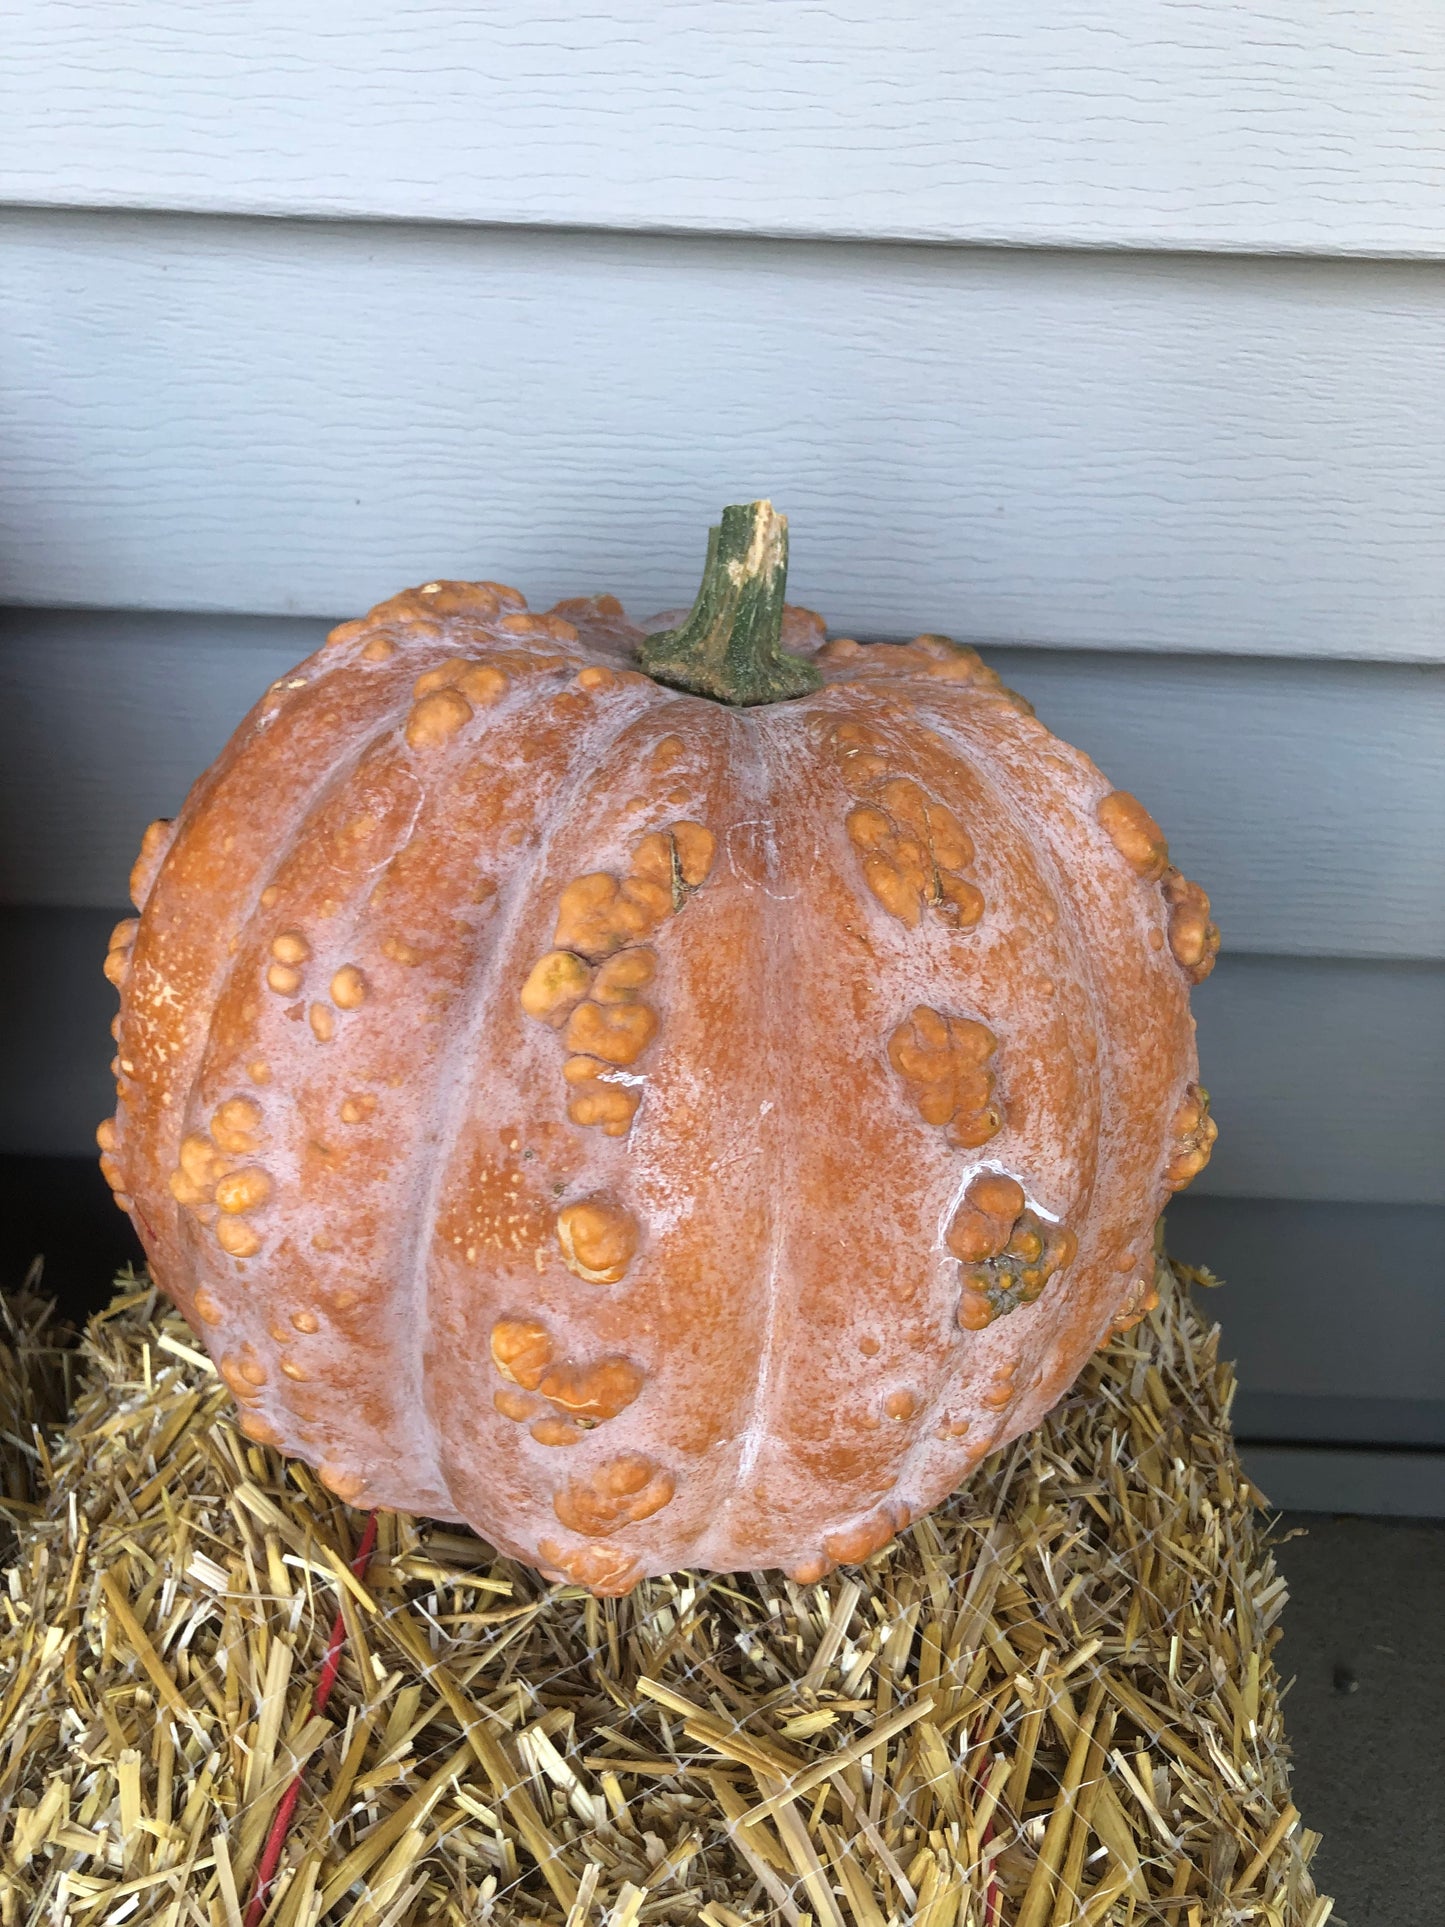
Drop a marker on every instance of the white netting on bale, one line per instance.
(1050, 1702)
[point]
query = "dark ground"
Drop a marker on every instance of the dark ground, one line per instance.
(1364, 1630)
(1364, 1638)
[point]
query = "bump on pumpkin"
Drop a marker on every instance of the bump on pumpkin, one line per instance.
(945, 1064)
(912, 847)
(1192, 1137)
(1009, 1253)
(1134, 834)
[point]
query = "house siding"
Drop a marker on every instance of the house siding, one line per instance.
(1113, 347)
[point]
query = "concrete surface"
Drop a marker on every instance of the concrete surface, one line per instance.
(1364, 1638)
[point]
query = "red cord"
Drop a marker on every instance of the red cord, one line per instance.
(325, 1680)
(992, 1897)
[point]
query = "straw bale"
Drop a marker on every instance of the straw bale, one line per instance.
(37, 1359)
(1051, 1702)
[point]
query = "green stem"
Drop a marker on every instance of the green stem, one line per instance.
(731, 645)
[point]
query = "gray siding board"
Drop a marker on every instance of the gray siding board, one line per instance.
(54, 1031)
(1319, 1310)
(1372, 1484)
(1340, 1418)
(1084, 451)
(1307, 797)
(1328, 1077)
(1298, 124)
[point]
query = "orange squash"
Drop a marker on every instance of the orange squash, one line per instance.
(671, 1100)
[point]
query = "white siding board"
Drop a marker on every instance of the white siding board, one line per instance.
(1075, 450)
(1212, 124)
(1328, 1078)
(1308, 797)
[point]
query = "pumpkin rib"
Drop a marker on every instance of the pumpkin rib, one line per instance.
(1037, 833)
(1090, 960)
(385, 725)
(583, 836)
(240, 763)
(320, 798)
(1006, 804)
(813, 919)
(432, 1151)
(868, 1522)
(917, 740)
(1009, 804)
(710, 1076)
(763, 1441)
(683, 1312)
(680, 1299)
(483, 993)
(758, 1429)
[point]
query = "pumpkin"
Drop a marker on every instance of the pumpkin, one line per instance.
(672, 1099)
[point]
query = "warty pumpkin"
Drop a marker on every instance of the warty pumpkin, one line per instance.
(667, 1100)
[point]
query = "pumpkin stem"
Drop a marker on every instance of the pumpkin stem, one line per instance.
(731, 645)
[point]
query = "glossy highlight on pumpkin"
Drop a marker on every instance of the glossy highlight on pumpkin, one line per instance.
(657, 1132)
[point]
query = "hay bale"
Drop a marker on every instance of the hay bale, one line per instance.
(1051, 1702)
(37, 1358)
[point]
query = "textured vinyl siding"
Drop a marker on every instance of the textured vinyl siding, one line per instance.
(1307, 1304)
(1137, 452)
(1109, 340)
(1329, 1080)
(1278, 124)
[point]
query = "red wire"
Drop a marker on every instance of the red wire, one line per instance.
(992, 1897)
(325, 1680)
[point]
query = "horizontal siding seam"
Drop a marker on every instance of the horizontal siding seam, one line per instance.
(1044, 242)
(1147, 651)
